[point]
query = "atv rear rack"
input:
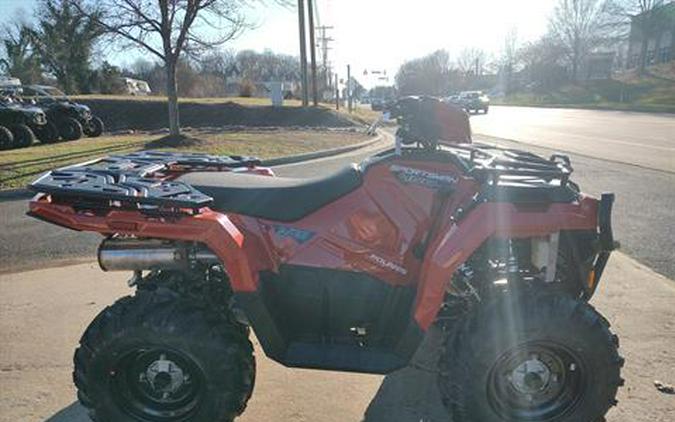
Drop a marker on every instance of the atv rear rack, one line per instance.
(138, 179)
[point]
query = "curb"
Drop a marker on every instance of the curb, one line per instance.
(8, 195)
(12, 194)
(293, 159)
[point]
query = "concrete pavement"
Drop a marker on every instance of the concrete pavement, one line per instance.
(43, 313)
(644, 139)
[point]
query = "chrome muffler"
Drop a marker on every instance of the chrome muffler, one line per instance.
(118, 254)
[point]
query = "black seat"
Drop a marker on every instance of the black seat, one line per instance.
(273, 198)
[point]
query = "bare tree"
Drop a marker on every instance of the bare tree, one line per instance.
(428, 75)
(543, 64)
(471, 61)
(580, 26)
(509, 57)
(168, 29)
(647, 18)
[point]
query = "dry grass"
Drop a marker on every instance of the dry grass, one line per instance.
(20, 166)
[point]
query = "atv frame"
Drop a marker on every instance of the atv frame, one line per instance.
(491, 193)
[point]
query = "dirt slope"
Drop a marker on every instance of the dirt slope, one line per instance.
(121, 114)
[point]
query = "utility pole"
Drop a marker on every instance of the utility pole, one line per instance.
(337, 92)
(323, 44)
(303, 52)
(312, 51)
(349, 88)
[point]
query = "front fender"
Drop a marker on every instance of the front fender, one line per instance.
(458, 241)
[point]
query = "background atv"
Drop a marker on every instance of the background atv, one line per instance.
(346, 271)
(6, 138)
(20, 119)
(70, 119)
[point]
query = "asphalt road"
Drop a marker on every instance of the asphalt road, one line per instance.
(644, 139)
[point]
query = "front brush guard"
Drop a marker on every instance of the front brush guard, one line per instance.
(606, 242)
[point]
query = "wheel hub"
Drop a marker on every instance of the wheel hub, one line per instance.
(164, 377)
(161, 384)
(531, 376)
(535, 381)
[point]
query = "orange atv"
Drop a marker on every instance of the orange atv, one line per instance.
(346, 271)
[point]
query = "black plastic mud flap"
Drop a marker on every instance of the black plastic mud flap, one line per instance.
(606, 238)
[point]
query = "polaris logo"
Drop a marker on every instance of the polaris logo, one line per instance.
(387, 264)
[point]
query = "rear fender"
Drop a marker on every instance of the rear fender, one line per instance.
(458, 241)
(211, 228)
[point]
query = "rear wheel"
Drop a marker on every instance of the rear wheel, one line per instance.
(23, 136)
(538, 358)
(94, 128)
(6, 138)
(70, 129)
(159, 357)
(48, 133)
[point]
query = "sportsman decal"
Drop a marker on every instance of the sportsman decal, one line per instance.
(415, 176)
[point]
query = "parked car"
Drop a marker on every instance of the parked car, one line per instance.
(453, 99)
(69, 119)
(474, 101)
(136, 87)
(377, 104)
(20, 120)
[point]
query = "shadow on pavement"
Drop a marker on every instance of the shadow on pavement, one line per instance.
(72, 413)
(411, 393)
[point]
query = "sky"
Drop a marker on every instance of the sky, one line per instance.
(377, 34)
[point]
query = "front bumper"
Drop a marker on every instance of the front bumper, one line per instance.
(606, 243)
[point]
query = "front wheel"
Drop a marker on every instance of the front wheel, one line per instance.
(70, 129)
(158, 357)
(94, 127)
(6, 138)
(47, 133)
(528, 359)
(23, 136)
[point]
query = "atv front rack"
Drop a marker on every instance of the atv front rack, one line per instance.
(512, 175)
(138, 179)
(498, 163)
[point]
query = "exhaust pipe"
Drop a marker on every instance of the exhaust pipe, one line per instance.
(151, 254)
